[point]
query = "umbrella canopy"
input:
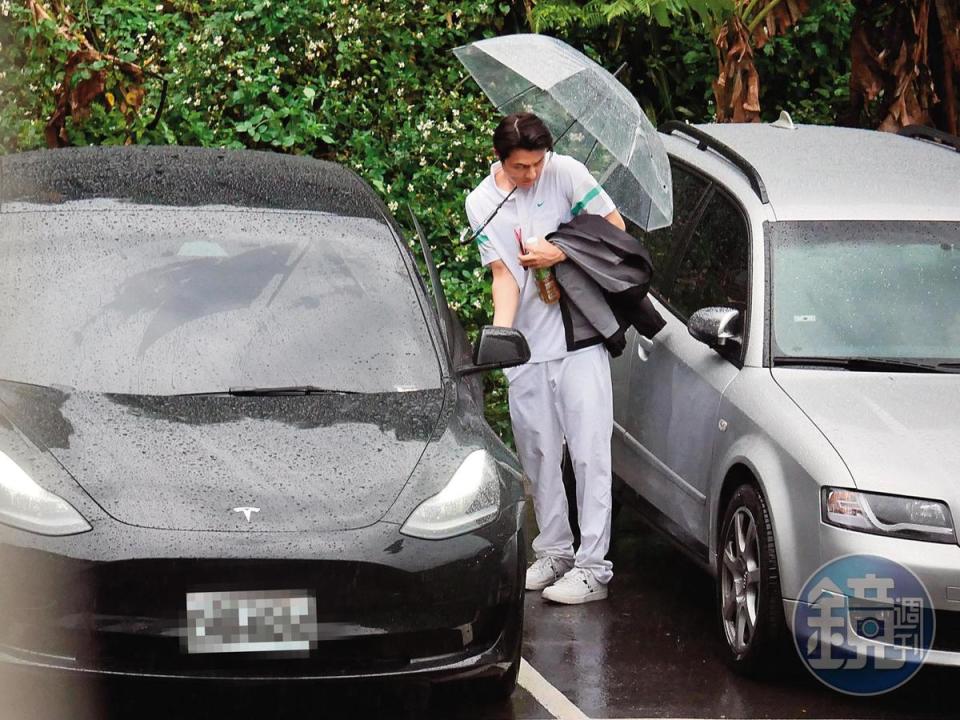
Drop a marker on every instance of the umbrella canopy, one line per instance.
(592, 116)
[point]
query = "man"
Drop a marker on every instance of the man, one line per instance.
(560, 394)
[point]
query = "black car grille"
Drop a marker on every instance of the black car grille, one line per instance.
(125, 616)
(358, 655)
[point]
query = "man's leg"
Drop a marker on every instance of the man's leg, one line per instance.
(585, 398)
(536, 431)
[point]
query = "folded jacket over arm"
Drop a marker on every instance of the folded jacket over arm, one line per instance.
(604, 283)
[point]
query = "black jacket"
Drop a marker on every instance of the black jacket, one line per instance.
(603, 284)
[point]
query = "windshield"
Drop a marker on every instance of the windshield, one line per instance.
(109, 297)
(866, 289)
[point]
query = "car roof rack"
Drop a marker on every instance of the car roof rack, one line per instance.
(705, 140)
(922, 132)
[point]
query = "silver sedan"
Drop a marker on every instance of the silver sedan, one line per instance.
(802, 402)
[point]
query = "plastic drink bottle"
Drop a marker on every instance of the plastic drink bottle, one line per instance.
(546, 282)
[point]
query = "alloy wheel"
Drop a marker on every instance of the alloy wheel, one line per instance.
(740, 580)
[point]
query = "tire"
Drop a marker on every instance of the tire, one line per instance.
(749, 604)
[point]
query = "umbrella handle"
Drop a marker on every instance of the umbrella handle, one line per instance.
(475, 233)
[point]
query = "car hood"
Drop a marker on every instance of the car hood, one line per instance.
(316, 463)
(897, 432)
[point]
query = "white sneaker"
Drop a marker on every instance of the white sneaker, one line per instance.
(577, 586)
(545, 571)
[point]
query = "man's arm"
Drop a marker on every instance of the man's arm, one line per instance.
(506, 295)
(615, 218)
(545, 254)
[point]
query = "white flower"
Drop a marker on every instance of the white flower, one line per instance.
(409, 188)
(393, 206)
(218, 41)
(181, 48)
(275, 89)
(159, 8)
(264, 48)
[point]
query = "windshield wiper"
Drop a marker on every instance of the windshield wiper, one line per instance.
(867, 364)
(288, 390)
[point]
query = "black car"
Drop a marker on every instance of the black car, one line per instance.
(239, 438)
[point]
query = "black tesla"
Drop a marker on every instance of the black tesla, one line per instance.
(239, 437)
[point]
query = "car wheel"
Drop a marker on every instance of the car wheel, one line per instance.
(748, 585)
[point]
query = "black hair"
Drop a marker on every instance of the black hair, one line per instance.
(521, 130)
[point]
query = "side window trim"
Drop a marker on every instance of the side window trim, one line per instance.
(676, 257)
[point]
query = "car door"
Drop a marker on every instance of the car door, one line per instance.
(668, 421)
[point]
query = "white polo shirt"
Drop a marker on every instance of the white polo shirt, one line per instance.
(564, 189)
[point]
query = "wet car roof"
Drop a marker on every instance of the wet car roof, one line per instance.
(186, 176)
(833, 173)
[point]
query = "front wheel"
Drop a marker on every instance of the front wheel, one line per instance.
(748, 585)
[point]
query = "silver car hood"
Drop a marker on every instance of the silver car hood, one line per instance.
(897, 432)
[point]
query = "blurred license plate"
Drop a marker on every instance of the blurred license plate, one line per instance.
(251, 621)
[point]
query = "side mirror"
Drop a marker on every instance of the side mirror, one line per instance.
(497, 348)
(716, 326)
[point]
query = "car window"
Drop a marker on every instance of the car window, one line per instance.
(162, 301)
(688, 188)
(714, 269)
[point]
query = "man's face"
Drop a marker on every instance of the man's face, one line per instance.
(523, 167)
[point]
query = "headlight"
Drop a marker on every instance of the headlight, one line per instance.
(26, 505)
(470, 500)
(892, 515)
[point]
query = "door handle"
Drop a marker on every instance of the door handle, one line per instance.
(644, 346)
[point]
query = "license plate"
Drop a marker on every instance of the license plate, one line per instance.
(251, 621)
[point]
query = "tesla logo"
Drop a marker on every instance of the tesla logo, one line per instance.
(247, 511)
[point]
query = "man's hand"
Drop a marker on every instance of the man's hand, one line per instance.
(542, 254)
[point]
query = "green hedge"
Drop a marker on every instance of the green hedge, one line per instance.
(372, 85)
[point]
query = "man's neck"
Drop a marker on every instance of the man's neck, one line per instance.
(502, 181)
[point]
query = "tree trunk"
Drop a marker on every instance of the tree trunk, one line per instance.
(948, 18)
(737, 87)
(897, 78)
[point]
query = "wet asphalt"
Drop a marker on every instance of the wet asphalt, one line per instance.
(651, 650)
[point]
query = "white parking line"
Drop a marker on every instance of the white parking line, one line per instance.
(555, 702)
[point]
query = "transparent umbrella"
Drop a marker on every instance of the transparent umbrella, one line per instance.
(592, 116)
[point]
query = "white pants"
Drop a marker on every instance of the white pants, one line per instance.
(569, 398)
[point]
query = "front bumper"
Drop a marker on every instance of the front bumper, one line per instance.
(387, 605)
(936, 565)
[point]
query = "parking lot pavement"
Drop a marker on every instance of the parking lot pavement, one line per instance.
(651, 650)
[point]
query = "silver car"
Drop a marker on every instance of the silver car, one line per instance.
(802, 402)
